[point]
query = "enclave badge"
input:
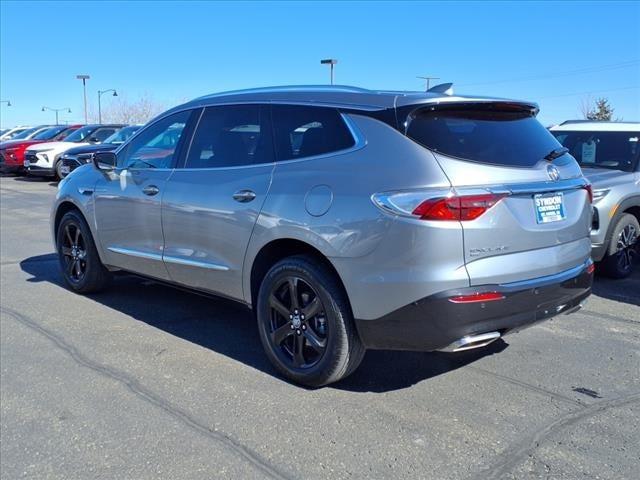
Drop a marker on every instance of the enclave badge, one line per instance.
(553, 173)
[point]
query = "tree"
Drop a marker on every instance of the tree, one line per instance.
(122, 110)
(601, 110)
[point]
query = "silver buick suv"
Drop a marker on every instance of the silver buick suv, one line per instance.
(346, 219)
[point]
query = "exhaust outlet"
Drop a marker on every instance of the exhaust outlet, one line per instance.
(472, 341)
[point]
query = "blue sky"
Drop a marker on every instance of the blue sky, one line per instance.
(555, 53)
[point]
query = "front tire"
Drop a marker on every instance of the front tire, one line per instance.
(58, 175)
(82, 270)
(305, 323)
(623, 251)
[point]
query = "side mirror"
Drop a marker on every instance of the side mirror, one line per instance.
(105, 161)
(94, 140)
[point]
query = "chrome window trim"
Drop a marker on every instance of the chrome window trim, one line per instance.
(540, 187)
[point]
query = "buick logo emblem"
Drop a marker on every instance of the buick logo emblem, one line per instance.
(553, 173)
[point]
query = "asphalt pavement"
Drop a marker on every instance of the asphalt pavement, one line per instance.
(144, 381)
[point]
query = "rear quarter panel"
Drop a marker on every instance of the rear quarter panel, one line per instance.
(352, 227)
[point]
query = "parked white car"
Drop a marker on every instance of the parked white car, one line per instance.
(12, 132)
(44, 159)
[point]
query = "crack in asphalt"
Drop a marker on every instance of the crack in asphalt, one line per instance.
(607, 316)
(512, 456)
(148, 396)
(528, 386)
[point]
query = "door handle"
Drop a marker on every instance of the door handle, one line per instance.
(244, 196)
(150, 190)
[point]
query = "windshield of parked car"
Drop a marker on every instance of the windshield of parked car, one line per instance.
(80, 134)
(494, 134)
(613, 150)
(49, 133)
(25, 133)
(121, 136)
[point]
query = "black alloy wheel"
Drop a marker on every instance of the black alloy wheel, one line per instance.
(298, 326)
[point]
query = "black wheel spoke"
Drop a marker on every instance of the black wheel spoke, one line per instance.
(298, 351)
(71, 265)
(77, 238)
(66, 251)
(315, 342)
(67, 233)
(312, 309)
(278, 306)
(78, 269)
(293, 292)
(281, 333)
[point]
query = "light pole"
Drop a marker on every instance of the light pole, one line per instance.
(84, 79)
(57, 110)
(8, 102)
(428, 79)
(100, 92)
(331, 62)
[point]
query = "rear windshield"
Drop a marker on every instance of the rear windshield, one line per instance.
(483, 134)
(614, 150)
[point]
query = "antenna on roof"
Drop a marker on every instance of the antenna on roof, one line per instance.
(445, 88)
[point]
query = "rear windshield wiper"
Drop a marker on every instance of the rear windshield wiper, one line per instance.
(558, 152)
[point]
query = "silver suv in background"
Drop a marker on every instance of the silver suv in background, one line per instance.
(345, 218)
(609, 154)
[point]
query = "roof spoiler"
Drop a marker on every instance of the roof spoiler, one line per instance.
(444, 88)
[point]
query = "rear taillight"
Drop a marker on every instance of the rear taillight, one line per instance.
(437, 204)
(461, 208)
(589, 190)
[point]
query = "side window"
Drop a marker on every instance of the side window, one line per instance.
(156, 146)
(103, 133)
(230, 136)
(302, 131)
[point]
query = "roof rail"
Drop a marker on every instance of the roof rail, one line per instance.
(290, 88)
(569, 122)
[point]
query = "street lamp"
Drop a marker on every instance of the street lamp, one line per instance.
(428, 80)
(8, 102)
(100, 92)
(84, 79)
(57, 110)
(331, 62)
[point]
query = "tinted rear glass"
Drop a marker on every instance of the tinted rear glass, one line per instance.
(483, 134)
(614, 150)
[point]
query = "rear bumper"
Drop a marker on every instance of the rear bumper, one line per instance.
(435, 322)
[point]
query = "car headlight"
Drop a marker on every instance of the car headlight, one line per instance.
(599, 194)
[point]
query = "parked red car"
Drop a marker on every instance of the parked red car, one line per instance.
(12, 151)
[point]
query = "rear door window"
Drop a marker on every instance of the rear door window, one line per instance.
(231, 136)
(302, 131)
(485, 134)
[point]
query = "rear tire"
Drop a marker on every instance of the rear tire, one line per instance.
(82, 269)
(623, 251)
(317, 345)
